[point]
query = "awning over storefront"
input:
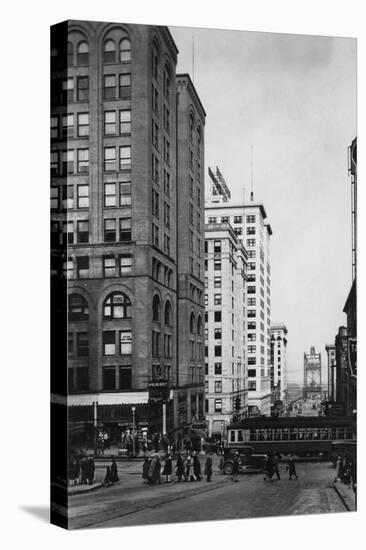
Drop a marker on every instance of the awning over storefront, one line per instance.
(113, 398)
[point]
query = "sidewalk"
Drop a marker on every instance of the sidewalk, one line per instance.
(346, 495)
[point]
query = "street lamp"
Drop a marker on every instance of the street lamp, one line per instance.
(133, 408)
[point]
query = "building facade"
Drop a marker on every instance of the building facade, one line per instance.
(250, 225)
(312, 373)
(279, 359)
(190, 252)
(225, 330)
(331, 367)
(115, 231)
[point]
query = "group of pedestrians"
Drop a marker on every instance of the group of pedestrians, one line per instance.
(270, 467)
(81, 471)
(345, 471)
(187, 468)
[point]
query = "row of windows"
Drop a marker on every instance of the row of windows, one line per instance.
(63, 126)
(63, 162)
(236, 219)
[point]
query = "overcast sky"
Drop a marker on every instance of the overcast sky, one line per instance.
(294, 99)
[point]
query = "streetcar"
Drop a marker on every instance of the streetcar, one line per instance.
(302, 436)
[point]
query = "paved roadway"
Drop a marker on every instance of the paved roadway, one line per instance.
(132, 503)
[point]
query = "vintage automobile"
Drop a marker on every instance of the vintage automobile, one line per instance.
(249, 462)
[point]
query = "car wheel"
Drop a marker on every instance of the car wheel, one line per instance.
(228, 468)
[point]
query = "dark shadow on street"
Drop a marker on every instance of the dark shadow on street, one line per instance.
(40, 512)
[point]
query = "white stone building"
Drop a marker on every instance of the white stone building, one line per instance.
(250, 225)
(226, 373)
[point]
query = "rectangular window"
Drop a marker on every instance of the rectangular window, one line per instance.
(252, 385)
(251, 337)
(55, 192)
(109, 266)
(252, 360)
(70, 344)
(82, 343)
(109, 159)
(217, 334)
(125, 193)
(68, 232)
(54, 163)
(217, 282)
(83, 160)
(83, 88)
(251, 301)
(252, 373)
(110, 197)
(109, 123)
(217, 299)
(250, 219)
(238, 219)
(125, 86)
(251, 253)
(251, 289)
(125, 378)
(250, 230)
(125, 121)
(218, 386)
(217, 316)
(125, 229)
(109, 86)
(218, 405)
(217, 351)
(125, 264)
(251, 313)
(250, 242)
(67, 126)
(155, 168)
(110, 233)
(82, 231)
(83, 196)
(109, 378)
(125, 157)
(109, 342)
(125, 338)
(54, 127)
(166, 183)
(83, 124)
(67, 160)
(82, 265)
(217, 265)
(252, 349)
(225, 219)
(68, 90)
(218, 368)
(252, 325)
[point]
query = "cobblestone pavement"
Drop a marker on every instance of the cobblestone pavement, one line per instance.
(132, 503)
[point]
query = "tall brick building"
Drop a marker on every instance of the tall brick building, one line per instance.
(119, 241)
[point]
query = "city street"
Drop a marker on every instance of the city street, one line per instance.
(130, 502)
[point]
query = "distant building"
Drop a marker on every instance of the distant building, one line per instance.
(312, 373)
(252, 229)
(225, 329)
(279, 359)
(331, 368)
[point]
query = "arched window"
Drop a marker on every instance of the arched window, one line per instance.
(199, 325)
(109, 55)
(192, 323)
(78, 308)
(70, 54)
(156, 308)
(191, 124)
(154, 61)
(168, 314)
(125, 50)
(167, 82)
(117, 306)
(83, 53)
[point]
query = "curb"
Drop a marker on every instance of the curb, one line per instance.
(343, 498)
(89, 489)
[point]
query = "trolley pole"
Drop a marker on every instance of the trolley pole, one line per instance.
(133, 408)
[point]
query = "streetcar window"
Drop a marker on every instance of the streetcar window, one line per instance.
(240, 435)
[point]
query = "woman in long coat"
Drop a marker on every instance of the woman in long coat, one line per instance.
(208, 467)
(196, 467)
(168, 466)
(114, 471)
(179, 467)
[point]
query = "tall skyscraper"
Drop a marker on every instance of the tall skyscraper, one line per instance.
(226, 372)
(118, 245)
(250, 225)
(279, 359)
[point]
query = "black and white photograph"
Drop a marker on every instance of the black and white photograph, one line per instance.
(203, 274)
(182, 242)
